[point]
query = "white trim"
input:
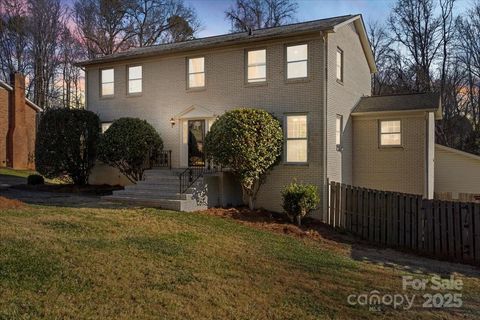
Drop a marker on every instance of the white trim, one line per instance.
(189, 113)
(8, 87)
(362, 33)
(391, 112)
(33, 105)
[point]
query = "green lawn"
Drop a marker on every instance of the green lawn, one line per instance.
(16, 173)
(59, 263)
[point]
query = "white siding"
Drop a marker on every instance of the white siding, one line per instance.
(456, 171)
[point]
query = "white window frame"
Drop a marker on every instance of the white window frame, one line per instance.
(339, 132)
(102, 83)
(190, 73)
(340, 65)
(289, 139)
(134, 79)
(380, 133)
(256, 80)
(296, 61)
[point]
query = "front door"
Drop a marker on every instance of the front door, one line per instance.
(196, 138)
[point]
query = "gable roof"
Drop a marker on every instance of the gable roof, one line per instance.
(326, 25)
(399, 102)
(458, 152)
(32, 105)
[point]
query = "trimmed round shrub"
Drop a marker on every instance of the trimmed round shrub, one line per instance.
(66, 144)
(35, 179)
(129, 144)
(299, 200)
(249, 142)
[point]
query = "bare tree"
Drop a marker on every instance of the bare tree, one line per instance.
(69, 75)
(13, 37)
(45, 25)
(256, 14)
(159, 21)
(104, 25)
(381, 45)
(416, 27)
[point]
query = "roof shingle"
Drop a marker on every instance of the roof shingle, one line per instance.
(398, 102)
(226, 39)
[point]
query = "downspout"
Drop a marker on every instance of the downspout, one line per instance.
(427, 156)
(325, 165)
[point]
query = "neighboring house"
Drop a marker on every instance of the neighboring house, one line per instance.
(18, 117)
(314, 76)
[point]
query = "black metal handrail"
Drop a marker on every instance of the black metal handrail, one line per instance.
(190, 175)
(162, 160)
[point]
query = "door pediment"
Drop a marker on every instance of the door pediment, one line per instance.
(195, 111)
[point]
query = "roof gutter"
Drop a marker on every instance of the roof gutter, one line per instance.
(125, 56)
(437, 111)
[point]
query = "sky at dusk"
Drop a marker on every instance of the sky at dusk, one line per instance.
(212, 12)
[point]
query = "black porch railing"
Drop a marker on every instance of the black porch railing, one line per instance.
(190, 175)
(163, 159)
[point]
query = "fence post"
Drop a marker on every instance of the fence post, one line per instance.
(476, 232)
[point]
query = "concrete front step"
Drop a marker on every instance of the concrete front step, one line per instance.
(153, 195)
(160, 188)
(178, 205)
(172, 179)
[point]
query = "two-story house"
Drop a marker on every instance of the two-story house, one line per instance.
(315, 76)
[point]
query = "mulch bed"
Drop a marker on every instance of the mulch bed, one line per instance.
(279, 223)
(6, 203)
(98, 190)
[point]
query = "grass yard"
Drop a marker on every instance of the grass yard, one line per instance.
(16, 173)
(24, 174)
(61, 263)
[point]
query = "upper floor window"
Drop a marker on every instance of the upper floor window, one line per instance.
(338, 131)
(134, 79)
(297, 61)
(296, 139)
(196, 72)
(391, 133)
(107, 82)
(339, 64)
(257, 65)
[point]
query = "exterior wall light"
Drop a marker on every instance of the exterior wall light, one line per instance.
(172, 122)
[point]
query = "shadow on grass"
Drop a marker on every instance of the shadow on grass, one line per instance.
(356, 248)
(62, 196)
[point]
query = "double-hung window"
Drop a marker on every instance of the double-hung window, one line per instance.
(257, 66)
(390, 133)
(297, 61)
(134, 79)
(296, 149)
(339, 65)
(107, 81)
(196, 72)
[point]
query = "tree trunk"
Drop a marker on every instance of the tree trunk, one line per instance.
(299, 220)
(251, 202)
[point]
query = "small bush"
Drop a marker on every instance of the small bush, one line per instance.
(128, 145)
(299, 200)
(35, 179)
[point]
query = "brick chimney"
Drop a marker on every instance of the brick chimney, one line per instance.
(17, 137)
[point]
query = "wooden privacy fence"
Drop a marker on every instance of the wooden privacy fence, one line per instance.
(444, 229)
